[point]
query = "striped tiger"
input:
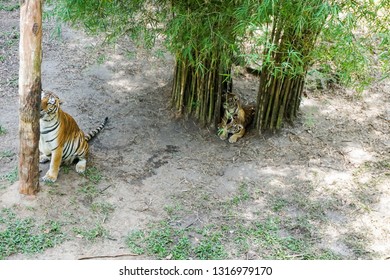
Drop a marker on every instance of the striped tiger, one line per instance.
(61, 140)
(236, 118)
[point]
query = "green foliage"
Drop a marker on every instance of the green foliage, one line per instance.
(349, 40)
(22, 235)
(323, 31)
(283, 38)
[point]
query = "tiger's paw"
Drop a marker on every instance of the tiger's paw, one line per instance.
(80, 166)
(223, 135)
(49, 178)
(233, 139)
(43, 158)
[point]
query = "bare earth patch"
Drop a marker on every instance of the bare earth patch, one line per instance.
(323, 183)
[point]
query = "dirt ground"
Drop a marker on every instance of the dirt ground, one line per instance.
(333, 163)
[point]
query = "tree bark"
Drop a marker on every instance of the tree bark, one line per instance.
(30, 55)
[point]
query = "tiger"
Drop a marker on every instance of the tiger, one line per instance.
(61, 140)
(236, 118)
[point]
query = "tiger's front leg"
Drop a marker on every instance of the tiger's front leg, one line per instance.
(234, 138)
(222, 129)
(52, 173)
(223, 133)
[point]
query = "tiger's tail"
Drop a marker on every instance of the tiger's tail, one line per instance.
(94, 132)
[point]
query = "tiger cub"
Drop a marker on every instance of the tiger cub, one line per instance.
(237, 129)
(236, 118)
(61, 140)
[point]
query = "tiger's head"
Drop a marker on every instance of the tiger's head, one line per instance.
(50, 104)
(231, 103)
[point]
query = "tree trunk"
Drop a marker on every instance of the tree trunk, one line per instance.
(30, 54)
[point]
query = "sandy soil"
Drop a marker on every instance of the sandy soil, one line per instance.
(336, 154)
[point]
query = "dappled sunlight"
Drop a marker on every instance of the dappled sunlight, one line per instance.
(356, 154)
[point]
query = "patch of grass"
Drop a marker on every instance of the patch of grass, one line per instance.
(89, 190)
(159, 241)
(55, 189)
(278, 204)
(93, 175)
(309, 120)
(377, 168)
(270, 235)
(182, 249)
(130, 54)
(211, 246)
(164, 241)
(2, 58)
(357, 242)
(103, 209)
(6, 154)
(174, 211)
(23, 235)
(13, 82)
(91, 234)
(301, 226)
(2, 130)
(135, 241)
(9, 8)
(101, 59)
(368, 177)
(65, 169)
(232, 204)
(242, 196)
(11, 176)
(270, 241)
(211, 242)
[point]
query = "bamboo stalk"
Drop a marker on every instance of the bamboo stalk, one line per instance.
(192, 91)
(287, 92)
(211, 90)
(174, 86)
